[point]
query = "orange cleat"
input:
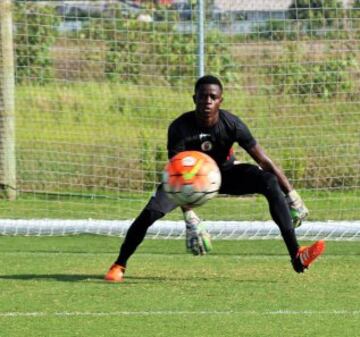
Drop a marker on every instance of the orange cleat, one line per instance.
(115, 273)
(307, 255)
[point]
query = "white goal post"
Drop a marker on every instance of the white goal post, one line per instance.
(224, 230)
(98, 82)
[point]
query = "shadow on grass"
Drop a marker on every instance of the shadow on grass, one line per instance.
(159, 279)
(218, 253)
(128, 280)
(57, 277)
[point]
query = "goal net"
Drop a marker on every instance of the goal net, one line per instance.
(98, 82)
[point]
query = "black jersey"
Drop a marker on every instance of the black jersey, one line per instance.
(184, 134)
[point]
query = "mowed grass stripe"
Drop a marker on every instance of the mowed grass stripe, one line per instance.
(180, 313)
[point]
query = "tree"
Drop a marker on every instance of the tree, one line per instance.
(36, 31)
(317, 13)
(355, 11)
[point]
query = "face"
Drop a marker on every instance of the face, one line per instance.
(207, 99)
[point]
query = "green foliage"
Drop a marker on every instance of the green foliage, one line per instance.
(315, 9)
(354, 18)
(291, 75)
(277, 30)
(36, 31)
(317, 14)
(355, 12)
(154, 52)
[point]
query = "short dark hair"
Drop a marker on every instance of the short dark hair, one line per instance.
(208, 79)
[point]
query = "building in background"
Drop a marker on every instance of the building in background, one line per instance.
(243, 16)
(261, 9)
(255, 10)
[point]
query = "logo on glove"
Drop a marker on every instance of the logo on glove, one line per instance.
(206, 146)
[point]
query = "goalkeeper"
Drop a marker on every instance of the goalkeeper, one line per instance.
(213, 131)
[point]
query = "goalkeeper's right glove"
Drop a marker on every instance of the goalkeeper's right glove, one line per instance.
(198, 240)
(298, 210)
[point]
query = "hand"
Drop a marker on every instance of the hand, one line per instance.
(298, 210)
(195, 243)
(198, 240)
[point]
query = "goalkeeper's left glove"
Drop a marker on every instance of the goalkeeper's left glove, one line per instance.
(198, 240)
(298, 210)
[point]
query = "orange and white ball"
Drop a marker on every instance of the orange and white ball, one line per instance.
(191, 178)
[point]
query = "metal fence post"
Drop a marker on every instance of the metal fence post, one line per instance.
(7, 103)
(201, 51)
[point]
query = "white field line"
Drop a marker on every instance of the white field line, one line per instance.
(180, 313)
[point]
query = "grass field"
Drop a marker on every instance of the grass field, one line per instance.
(52, 286)
(335, 205)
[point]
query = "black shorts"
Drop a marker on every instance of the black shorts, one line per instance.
(239, 179)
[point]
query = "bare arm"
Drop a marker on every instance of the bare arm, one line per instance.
(259, 155)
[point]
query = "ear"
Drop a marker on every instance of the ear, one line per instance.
(194, 98)
(221, 99)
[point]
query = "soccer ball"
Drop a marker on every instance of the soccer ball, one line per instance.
(191, 178)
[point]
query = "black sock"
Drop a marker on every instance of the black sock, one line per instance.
(280, 213)
(136, 234)
(291, 242)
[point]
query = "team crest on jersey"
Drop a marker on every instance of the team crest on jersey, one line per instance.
(206, 146)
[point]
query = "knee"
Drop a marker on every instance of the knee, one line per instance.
(146, 218)
(152, 214)
(270, 184)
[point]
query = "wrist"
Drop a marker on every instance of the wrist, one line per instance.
(293, 195)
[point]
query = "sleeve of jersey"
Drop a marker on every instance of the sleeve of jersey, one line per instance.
(175, 143)
(243, 135)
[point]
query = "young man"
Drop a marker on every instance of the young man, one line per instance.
(214, 131)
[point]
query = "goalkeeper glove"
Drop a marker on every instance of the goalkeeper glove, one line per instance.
(198, 240)
(298, 210)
